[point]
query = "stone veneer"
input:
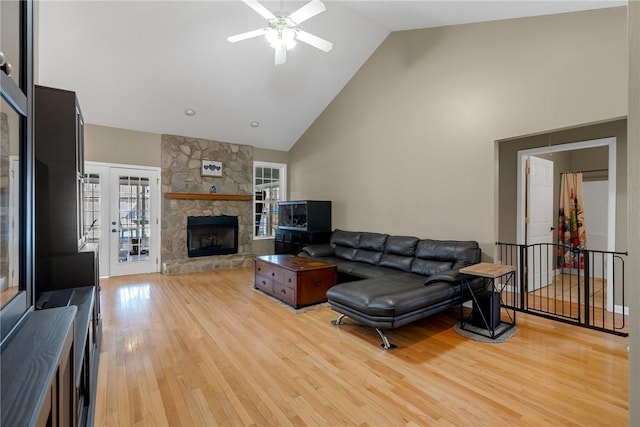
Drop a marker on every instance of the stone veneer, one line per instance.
(181, 173)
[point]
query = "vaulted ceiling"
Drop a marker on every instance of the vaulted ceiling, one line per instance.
(140, 64)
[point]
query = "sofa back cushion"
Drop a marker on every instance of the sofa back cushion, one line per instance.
(433, 256)
(344, 243)
(370, 247)
(398, 252)
(348, 239)
(372, 241)
(369, 257)
(398, 262)
(401, 245)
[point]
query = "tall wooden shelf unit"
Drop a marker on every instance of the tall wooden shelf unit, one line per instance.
(66, 268)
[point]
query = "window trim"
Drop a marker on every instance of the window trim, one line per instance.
(283, 190)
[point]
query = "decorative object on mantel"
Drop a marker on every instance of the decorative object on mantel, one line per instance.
(211, 168)
(213, 189)
(208, 196)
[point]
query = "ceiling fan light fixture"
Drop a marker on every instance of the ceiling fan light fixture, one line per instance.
(277, 37)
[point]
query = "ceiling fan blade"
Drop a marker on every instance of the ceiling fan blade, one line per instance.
(307, 11)
(281, 54)
(247, 35)
(266, 13)
(315, 41)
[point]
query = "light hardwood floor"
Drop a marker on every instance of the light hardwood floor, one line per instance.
(206, 349)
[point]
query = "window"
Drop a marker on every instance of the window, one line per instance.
(91, 211)
(269, 188)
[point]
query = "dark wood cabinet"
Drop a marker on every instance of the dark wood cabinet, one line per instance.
(302, 223)
(292, 241)
(38, 371)
(304, 215)
(87, 337)
(59, 148)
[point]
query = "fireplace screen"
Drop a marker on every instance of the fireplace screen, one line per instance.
(212, 235)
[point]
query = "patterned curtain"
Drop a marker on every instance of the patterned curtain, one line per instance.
(571, 226)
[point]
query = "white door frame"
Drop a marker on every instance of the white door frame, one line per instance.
(105, 213)
(611, 200)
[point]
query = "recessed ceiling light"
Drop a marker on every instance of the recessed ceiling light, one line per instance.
(190, 112)
(254, 124)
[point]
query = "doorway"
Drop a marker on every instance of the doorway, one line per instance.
(523, 195)
(122, 216)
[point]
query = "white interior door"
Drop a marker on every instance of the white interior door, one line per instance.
(539, 223)
(133, 223)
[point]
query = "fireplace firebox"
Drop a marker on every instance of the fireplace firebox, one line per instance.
(212, 235)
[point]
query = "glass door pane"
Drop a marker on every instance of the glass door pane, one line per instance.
(134, 219)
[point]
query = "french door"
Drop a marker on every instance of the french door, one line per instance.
(122, 214)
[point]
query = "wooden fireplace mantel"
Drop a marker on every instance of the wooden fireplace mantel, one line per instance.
(208, 196)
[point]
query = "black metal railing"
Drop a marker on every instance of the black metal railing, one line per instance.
(590, 294)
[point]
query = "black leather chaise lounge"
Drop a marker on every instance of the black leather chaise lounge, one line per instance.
(389, 281)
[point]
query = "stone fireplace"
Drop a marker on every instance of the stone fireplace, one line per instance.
(181, 173)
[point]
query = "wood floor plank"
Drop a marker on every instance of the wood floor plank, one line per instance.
(206, 349)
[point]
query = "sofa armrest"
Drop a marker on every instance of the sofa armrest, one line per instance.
(444, 276)
(323, 249)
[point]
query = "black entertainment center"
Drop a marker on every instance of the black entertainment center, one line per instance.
(302, 223)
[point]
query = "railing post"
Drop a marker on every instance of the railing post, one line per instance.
(523, 275)
(587, 285)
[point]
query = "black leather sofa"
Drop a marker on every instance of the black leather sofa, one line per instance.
(389, 281)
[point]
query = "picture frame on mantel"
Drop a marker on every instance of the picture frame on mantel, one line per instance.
(211, 168)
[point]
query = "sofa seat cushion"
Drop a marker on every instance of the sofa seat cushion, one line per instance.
(379, 297)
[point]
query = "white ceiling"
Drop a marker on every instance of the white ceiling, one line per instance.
(139, 65)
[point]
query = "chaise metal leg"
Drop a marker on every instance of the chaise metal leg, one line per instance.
(385, 341)
(338, 321)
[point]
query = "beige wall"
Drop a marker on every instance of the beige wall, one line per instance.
(274, 156)
(122, 146)
(408, 146)
(130, 147)
(634, 209)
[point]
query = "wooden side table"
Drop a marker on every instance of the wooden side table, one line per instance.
(490, 274)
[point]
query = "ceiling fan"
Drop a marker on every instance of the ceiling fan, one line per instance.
(282, 33)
